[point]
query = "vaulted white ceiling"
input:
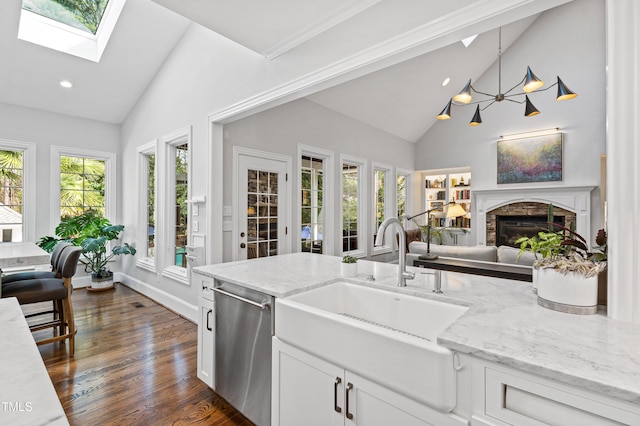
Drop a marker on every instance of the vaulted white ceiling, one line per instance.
(401, 100)
(30, 74)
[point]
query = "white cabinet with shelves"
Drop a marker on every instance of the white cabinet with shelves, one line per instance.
(206, 327)
(307, 390)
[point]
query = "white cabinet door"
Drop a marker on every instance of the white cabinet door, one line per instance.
(206, 329)
(369, 404)
(310, 391)
(305, 390)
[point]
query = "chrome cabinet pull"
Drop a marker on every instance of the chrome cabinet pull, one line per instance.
(349, 387)
(335, 395)
(209, 316)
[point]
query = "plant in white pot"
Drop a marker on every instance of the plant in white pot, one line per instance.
(565, 272)
(92, 232)
(349, 266)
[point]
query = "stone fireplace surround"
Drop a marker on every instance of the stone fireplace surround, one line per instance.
(575, 200)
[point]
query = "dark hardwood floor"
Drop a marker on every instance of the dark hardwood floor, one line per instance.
(135, 364)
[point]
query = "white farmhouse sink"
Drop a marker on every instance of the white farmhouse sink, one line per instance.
(385, 336)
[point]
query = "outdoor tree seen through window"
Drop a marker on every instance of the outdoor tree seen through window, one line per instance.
(11, 173)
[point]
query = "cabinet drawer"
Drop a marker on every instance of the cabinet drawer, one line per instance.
(521, 399)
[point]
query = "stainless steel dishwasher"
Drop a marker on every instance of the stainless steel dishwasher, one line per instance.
(244, 327)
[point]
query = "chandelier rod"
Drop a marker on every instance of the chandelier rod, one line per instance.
(500, 60)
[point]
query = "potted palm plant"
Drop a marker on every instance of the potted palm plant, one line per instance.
(92, 232)
(565, 271)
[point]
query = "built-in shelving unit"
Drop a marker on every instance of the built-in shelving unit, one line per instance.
(444, 186)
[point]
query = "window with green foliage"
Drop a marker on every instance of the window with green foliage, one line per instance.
(82, 186)
(11, 189)
(151, 205)
(350, 210)
(382, 204)
(312, 186)
(401, 195)
(84, 15)
(181, 164)
(380, 182)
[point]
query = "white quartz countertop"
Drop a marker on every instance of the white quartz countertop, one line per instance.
(504, 323)
(21, 254)
(27, 396)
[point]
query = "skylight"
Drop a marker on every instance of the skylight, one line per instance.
(81, 14)
(467, 41)
(77, 27)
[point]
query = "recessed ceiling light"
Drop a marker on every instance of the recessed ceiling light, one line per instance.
(66, 84)
(446, 81)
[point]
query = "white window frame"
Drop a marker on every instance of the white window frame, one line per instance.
(110, 179)
(167, 221)
(28, 185)
(144, 151)
(363, 201)
(328, 158)
(408, 203)
(389, 206)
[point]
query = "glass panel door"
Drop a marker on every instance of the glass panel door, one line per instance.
(262, 229)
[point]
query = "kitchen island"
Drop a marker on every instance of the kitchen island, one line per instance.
(27, 396)
(504, 325)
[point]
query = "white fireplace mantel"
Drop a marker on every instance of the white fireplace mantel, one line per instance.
(574, 198)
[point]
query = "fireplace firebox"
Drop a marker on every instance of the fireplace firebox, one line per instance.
(510, 228)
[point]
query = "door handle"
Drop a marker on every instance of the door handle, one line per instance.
(209, 316)
(335, 395)
(243, 245)
(349, 387)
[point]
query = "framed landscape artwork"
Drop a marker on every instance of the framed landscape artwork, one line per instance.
(532, 159)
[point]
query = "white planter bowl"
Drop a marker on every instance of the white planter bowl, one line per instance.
(348, 269)
(100, 284)
(572, 292)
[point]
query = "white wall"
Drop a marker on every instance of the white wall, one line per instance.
(46, 129)
(281, 129)
(193, 81)
(568, 41)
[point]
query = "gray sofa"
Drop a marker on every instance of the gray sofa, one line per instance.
(502, 254)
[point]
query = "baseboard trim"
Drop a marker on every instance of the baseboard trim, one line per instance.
(169, 301)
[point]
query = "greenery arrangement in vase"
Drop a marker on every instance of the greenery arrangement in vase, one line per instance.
(565, 271)
(349, 266)
(92, 232)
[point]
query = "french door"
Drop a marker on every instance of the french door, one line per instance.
(262, 207)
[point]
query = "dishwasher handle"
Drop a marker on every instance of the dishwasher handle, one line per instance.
(264, 305)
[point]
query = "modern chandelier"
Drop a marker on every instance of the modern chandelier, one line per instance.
(532, 84)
